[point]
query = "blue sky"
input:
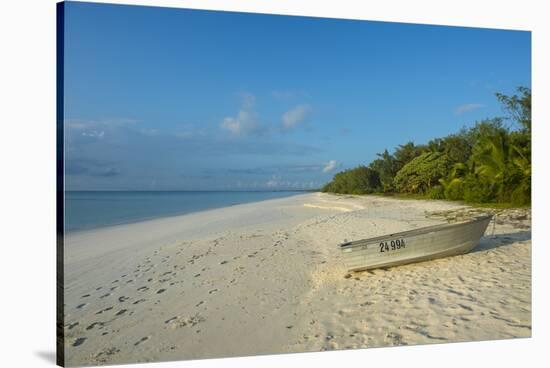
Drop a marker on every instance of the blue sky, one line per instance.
(174, 99)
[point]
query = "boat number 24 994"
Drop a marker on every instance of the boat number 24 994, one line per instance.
(387, 246)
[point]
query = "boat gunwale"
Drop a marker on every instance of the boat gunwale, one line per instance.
(414, 232)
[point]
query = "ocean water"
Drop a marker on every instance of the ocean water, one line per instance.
(90, 210)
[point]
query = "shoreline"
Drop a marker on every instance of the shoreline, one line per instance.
(266, 277)
(144, 219)
(489, 207)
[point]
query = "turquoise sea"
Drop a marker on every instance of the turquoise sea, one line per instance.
(89, 210)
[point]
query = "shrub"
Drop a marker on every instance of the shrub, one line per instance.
(455, 190)
(436, 192)
(479, 190)
(422, 173)
(521, 195)
(360, 180)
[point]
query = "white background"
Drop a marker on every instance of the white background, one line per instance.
(27, 177)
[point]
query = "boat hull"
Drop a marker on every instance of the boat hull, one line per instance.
(414, 246)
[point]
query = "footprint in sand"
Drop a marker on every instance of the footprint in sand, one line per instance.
(94, 324)
(160, 291)
(212, 291)
(171, 319)
(143, 339)
(79, 341)
(121, 312)
(178, 322)
(85, 296)
(123, 299)
(104, 295)
(139, 301)
(80, 306)
(394, 338)
(104, 310)
(143, 288)
(103, 356)
(71, 325)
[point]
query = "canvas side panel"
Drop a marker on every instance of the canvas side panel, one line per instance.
(60, 322)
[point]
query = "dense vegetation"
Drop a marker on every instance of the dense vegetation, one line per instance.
(488, 163)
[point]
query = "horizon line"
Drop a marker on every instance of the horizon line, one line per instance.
(181, 190)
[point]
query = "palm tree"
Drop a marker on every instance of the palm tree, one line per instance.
(496, 159)
(490, 156)
(522, 162)
(454, 180)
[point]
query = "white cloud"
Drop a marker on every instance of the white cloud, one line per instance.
(295, 116)
(246, 121)
(277, 182)
(75, 124)
(273, 182)
(105, 123)
(467, 107)
(330, 166)
(94, 134)
(96, 129)
(98, 136)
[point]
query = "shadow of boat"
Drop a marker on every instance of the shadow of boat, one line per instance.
(489, 242)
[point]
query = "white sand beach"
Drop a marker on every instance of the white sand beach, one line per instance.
(267, 278)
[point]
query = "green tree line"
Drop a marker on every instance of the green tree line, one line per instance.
(487, 163)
